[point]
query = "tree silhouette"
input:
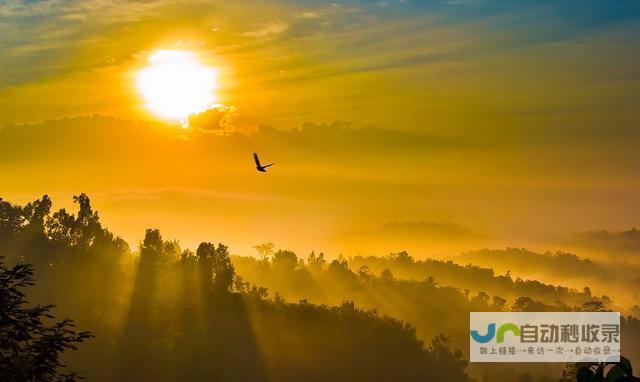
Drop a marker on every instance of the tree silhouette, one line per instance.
(215, 266)
(30, 341)
(264, 250)
(316, 262)
(156, 318)
(285, 260)
(600, 372)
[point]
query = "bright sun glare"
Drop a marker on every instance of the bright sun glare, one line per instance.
(176, 84)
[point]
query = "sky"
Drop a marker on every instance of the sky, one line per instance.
(428, 125)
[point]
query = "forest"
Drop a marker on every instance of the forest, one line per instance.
(100, 310)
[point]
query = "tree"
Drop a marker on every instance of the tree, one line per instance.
(386, 275)
(499, 303)
(82, 232)
(402, 257)
(35, 214)
(431, 281)
(600, 372)
(265, 250)
(20, 226)
(78, 231)
(31, 343)
(526, 304)
(364, 273)
(216, 268)
(223, 271)
(11, 221)
(152, 247)
(241, 286)
(481, 298)
(204, 254)
(593, 306)
(285, 260)
(450, 363)
(316, 262)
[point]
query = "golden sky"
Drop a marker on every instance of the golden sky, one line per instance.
(393, 124)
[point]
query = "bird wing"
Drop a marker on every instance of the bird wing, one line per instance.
(270, 164)
(255, 158)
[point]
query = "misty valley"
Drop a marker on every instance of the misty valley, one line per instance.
(166, 313)
(343, 190)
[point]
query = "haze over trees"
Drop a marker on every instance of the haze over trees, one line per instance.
(169, 313)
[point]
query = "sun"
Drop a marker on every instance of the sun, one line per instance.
(176, 84)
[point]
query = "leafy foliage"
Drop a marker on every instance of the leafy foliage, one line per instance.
(30, 343)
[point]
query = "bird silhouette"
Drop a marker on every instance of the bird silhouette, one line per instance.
(260, 167)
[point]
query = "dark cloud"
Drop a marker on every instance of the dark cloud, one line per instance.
(217, 119)
(100, 138)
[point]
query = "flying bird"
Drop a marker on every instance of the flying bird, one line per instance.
(260, 167)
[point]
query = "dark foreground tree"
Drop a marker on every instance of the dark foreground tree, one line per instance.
(31, 341)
